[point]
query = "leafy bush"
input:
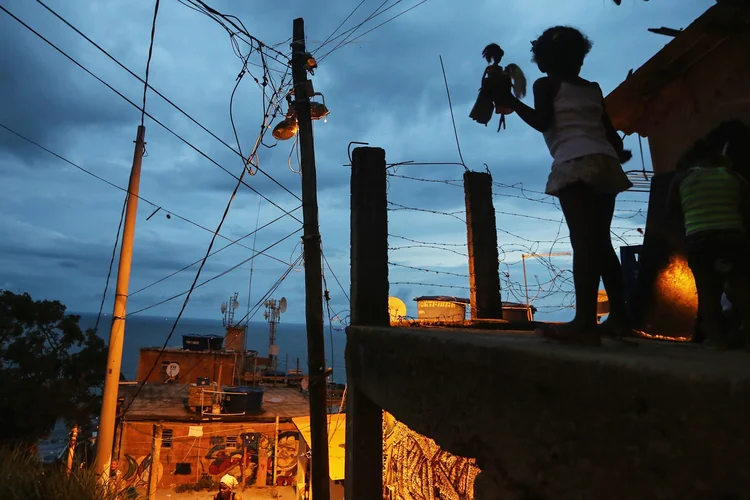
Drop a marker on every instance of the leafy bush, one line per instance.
(24, 477)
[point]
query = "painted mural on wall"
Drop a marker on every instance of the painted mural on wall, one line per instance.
(135, 471)
(416, 468)
(226, 456)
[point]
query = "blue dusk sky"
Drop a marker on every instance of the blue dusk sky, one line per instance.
(382, 84)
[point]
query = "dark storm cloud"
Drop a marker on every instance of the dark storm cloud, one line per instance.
(386, 89)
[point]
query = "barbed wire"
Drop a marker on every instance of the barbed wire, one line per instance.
(547, 284)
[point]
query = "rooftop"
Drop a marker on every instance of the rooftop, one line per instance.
(628, 104)
(169, 402)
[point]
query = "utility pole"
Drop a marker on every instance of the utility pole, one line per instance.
(106, 434)
(153, 475)
(313, 269)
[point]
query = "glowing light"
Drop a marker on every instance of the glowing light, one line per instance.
(318, 110)
(677, 285)
(286, 128)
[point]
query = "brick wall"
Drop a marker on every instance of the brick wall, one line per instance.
(189, 451)
(713, 91)
(192, 365)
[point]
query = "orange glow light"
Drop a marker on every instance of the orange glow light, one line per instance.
(676, 284)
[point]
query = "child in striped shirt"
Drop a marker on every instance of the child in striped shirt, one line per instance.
(714, 202)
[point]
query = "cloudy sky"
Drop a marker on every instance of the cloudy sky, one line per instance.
(385, 88)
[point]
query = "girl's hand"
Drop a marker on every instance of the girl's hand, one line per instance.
(625, 155)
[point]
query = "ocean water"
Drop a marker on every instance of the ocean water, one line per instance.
(152, 331)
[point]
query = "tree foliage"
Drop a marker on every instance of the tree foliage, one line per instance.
(49, 368)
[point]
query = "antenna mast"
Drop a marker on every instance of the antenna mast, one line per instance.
(273, 316)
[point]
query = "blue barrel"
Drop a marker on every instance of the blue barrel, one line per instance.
(247, 400)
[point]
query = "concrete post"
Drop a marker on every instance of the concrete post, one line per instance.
(369, 307)
(481, 231)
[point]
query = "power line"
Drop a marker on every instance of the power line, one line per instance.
(223, 273)
(453, 119)
(334, 275)
(111, 262)
(125, 190)
(201, 359)
(379, 25)
(346, 34)
(212, 254)
(148, 61)
(213, 240)
(340, 25)
(142, 110)
(147, 85)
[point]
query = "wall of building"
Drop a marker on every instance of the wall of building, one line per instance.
(714, 90)
(190, 451)
(193, 364)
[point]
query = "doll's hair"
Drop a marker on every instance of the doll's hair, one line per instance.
(560, 49)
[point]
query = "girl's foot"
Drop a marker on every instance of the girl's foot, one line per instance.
(570, 334)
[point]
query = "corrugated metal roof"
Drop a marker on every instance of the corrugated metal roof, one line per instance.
(169, 402)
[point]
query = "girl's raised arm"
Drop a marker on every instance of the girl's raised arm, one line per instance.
(541, 116)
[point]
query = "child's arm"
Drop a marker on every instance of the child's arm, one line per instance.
(612, 135)
(539, 118)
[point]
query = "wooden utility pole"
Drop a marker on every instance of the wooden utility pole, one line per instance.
(106, 433)
(72, 447)
(313, 269)
(153, 475)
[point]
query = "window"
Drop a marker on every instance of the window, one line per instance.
(182, 469)
(231, 442)
(166, 438)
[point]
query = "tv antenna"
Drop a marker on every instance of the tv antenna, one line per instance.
(273, 313)
(228, 308)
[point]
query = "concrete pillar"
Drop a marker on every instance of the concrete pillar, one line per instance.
(481, 229)
(369, 307)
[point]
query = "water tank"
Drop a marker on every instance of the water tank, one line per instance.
(194, 343)
(247, 400)
(441, 308)
(214, 342)
(514, 311)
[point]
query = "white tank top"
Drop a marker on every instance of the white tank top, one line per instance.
(577, 129)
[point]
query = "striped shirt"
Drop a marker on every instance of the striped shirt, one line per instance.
(711, 199)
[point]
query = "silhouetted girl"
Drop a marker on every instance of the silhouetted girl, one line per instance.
(586, 176)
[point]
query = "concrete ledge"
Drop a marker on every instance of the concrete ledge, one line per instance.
(661, 421)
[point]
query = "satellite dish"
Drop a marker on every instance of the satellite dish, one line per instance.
(223, 307)
(282, 304)
(173, 369)
(396, 308)
(235, 305)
